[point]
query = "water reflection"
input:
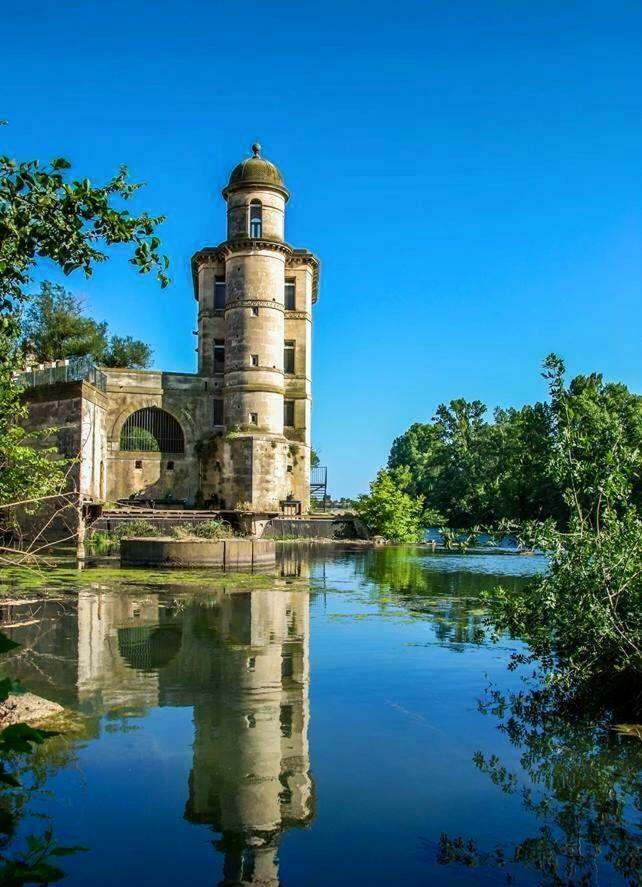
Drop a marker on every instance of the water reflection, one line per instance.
(239, 658)
(580, 782)
(445, 589)
(395, 727)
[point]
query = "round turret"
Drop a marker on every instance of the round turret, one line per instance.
(256, 198)
(256, 172)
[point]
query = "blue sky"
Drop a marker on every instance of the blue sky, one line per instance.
(468, 172)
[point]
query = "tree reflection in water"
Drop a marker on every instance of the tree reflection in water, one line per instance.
(449, 598)
(581, 784)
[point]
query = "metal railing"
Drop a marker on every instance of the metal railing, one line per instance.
(76, 369)
(319, 485)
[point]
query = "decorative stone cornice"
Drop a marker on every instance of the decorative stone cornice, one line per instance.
(250, 388)
(214, 255)
(254, 303)
(244, 368)
(255, 245)
(298, 315)
(305, 257)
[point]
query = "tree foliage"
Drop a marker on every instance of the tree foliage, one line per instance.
(47, 214)
(389, 511)
(27, 470)
(583, 618)
(54, 326)
(124, 351)
(476, 471)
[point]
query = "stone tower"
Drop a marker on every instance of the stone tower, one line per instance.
(255, 295)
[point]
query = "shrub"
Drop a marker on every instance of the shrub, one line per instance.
(212, 529)
(136, 527)
(389, 511)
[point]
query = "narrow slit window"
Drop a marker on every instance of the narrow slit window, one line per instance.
(219, 355)
(254, 418)
(290, 295)
(288, 413)
(219, 292)
(217, 411)
(288, 357)
(255, 360)
(256, 218)
(255, 312)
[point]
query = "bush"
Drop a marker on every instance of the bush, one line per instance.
(136, 527)
(389, 511)
(212, 529)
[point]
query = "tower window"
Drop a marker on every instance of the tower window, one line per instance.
(217, 411)
(219, 355)
(170, 466)
(254, 418)
(219, 292)
(256, 218)
(290, 295)
(255, 360)
(288, 357)
(288, 413)
(255, 312)
(138, 463)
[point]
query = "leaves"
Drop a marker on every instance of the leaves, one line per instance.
(583, 619)
(391, 512)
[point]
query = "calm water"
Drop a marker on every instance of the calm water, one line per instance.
(325, 731)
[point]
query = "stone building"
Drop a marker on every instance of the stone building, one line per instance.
(235, 434)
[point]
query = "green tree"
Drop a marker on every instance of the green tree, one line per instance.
(123, 351)
(54, 327)
(465, 485)
(47, 214)
(525, 488)
(420, 450)
(389, 511)
(583, 618)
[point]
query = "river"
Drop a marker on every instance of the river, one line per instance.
(349, 723)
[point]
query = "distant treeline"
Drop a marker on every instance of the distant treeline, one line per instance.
(478, 472)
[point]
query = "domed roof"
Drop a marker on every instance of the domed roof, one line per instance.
(255, 170)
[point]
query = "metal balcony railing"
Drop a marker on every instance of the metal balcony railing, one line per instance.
(75, 369)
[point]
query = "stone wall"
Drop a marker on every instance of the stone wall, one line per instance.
(72, 417)
(316, 528)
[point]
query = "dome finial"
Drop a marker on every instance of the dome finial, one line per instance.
(256, 149)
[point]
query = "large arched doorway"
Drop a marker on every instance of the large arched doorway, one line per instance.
(152, 430)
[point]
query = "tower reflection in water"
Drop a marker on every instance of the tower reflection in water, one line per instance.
(240, 660)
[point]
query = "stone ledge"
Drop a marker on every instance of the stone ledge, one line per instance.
(226, 554)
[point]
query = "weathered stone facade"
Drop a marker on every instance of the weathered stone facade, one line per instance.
(236, 434)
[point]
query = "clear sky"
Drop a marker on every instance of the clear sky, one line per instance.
(468, 172)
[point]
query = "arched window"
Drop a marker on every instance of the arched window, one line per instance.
(256, 218)
(152, 430)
